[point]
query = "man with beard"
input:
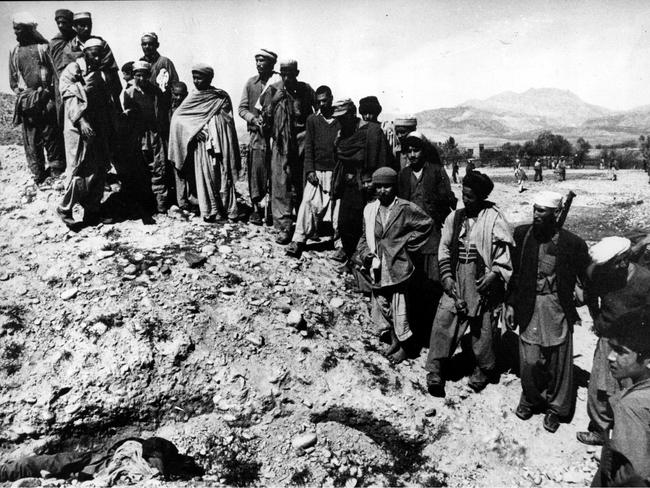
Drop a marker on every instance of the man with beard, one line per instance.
(548, 262)
(145, 106)
(360, 150)
(286, 106)
(620, 286)
(392, 229)
(203, 139)
(86, 99)
(424, 182)
(259, 145)
(83, 25)
(317, 204)
(56, 51)
(31, 77)
(475, 268)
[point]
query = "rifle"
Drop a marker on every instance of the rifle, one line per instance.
(565, 208)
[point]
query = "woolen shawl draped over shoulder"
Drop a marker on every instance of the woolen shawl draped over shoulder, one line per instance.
(190, 117)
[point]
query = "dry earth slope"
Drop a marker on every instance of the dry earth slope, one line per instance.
(109, 332)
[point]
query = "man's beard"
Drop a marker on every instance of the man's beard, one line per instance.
(543, 231)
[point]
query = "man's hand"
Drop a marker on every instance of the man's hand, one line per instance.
(449, 285)
(510, 317)
(312, 178)
(86, 130)
(484, 282)
(200, 137)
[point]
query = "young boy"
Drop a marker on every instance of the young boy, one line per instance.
(392, 228)
(625, 460)
(143, 106)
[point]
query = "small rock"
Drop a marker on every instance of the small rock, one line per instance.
(164, 269)
(255, 339)
(304, 441)
(430, 412)
(105, 254)
(4, 276)
(99, 328)
(194, 260)
(26, 483)
(336, 302)
(576, 477)
(69, 293)
(137, 257)
(226, 290)
(209, 249)
(225, 249)
(131, 269)
(295, 319)
(350, 483)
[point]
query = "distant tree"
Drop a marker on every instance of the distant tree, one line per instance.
(449, 150)
(548, 144)
(582, 149)
(644, 146)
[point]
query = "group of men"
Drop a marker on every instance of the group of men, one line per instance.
(314, 168)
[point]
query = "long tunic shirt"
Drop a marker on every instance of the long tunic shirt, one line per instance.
(548, 326)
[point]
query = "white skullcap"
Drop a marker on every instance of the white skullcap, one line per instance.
(24, 18)
(548, 199)
(93, 42)
(609, 248)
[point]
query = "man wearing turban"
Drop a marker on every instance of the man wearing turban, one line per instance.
(616, 286)
(203, 141)
(286, 105)
(56, 51)
(393, 229)
(259, 145)
(31, 77)
(88, 133)
(548, 262)
(475, 268)
(396, 133)
(83, 26)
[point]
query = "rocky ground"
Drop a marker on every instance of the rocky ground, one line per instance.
(263, 368)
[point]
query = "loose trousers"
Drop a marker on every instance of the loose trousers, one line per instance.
(41, 135)
(316, 207)
(547, 377)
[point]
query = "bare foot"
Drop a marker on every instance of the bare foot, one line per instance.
(391, 349)
(398, 356)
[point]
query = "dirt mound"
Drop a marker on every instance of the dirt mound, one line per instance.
(264, 369)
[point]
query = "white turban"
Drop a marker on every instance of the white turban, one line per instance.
(548, 199)
(93, 42)
(24, 18)
(609, 248)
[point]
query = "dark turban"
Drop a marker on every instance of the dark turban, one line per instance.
(480, 183)
(64, 13)
(369, 105)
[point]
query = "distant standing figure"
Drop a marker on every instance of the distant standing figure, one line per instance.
(538, 171)
(561, 170)
(470, 166)
(520, 176)
(31, 77)
(454, 171)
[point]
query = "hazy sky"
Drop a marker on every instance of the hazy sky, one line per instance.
(413, 55)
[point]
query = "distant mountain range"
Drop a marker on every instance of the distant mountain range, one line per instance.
(511, 116)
